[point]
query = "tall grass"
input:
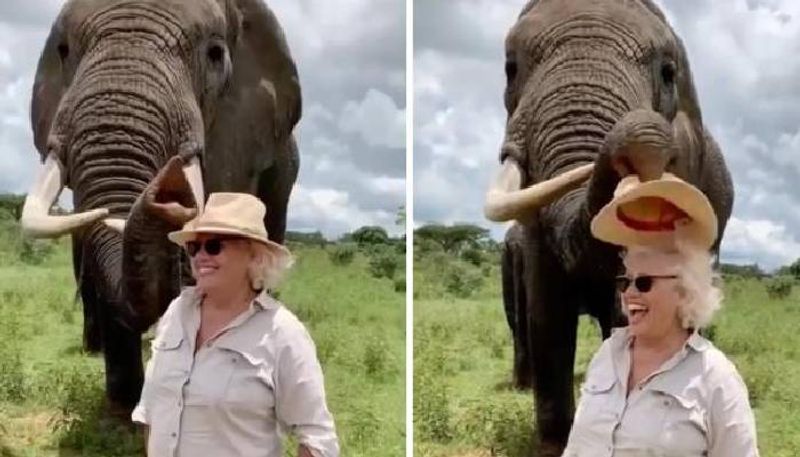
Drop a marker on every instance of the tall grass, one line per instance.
(463, 402)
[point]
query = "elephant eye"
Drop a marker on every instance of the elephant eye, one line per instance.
(511, 71)
(63, 51)
(215, 53)
(668, 73)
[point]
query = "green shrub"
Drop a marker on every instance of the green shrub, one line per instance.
(473, 256)
(12, 376)
(375, 358)
(400, 284)
(82, 422)
(462, 282)
(342, 254)
(779, 287)
(384, 264)
(34, 252)
(431, 408)
(503, 424)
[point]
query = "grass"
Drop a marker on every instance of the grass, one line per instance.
(51, 392)
(463, 403)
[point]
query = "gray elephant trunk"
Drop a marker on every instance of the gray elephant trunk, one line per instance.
(596, 114)
(125, 118)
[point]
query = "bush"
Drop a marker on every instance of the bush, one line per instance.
(342, 254)
(375, 358)
(34, 252)
(473, 256)
(13, 387)
(81, 423)
(503, 424)
(779, 287)
(400, 284)
(462, 282)
(431, 408)
(384, 264)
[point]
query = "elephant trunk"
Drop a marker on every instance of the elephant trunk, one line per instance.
(591, 110)
(127, 115)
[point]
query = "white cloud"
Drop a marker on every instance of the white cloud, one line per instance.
(764, 242)
(333, 212)
(377, 119)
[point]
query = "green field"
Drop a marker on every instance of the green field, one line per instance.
(464, 406)
(51, 391)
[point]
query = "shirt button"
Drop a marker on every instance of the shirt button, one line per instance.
(173, 434)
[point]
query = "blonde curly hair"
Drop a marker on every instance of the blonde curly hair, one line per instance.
(698, 284)
(266, 269)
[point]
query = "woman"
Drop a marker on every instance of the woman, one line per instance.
(656, 387)
(230, 365)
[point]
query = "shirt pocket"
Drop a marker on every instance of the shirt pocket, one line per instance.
(684, 432)
(169, 364)
(596, 415)
(250, 389)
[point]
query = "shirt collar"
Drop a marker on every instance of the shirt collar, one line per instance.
(262, 301)
(695, 340)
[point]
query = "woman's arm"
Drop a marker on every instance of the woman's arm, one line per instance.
(300, 398)
(733, 428)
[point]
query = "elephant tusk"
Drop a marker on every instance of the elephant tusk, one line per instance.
(115, 224)
(505, 200)
(36, 221)
(194, 176)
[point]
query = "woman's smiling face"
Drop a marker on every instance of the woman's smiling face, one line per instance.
(225, 269)
(653, 314)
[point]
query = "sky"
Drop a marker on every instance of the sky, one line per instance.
(743, 56)
(351, 61)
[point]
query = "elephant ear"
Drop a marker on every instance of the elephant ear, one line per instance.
(48, 88)
(262, 104)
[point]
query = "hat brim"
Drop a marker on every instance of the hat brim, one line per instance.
(181, 237)
(701, 228)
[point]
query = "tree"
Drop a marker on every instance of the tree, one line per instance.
(12, 204)
(310, 238)
(370, 235)
(746, 271)
(455, 238)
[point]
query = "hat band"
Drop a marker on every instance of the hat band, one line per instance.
(661, 225)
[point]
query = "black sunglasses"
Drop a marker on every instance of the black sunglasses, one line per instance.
(212, 246)
(642, 283)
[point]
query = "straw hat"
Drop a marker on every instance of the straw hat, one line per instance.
(647, 213)
(230, 213)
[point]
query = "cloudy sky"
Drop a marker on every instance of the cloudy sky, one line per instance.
(743, 55)
(351, 59)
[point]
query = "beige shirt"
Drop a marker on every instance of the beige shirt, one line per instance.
(695, 404)
(234, 395)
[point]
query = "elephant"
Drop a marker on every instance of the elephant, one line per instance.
(596, 90)
(141, 108)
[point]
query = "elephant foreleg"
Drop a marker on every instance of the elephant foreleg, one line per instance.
(553, 321)
(123, 362)
(515, 304)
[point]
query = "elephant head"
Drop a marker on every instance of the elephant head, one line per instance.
(122, 88)
(597, 90)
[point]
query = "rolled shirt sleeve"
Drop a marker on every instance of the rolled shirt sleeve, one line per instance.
(300, 396)
(139, 414)
(733, 429)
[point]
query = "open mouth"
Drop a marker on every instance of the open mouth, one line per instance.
(637, 312)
